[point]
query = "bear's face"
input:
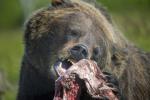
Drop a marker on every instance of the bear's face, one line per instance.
(65, 35)
(76, 38)
(76, 31)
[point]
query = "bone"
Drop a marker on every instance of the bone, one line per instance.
(68, 86)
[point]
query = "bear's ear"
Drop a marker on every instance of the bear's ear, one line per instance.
(57, 2)
(119, 56)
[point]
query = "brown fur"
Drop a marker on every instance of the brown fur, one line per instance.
(120, 57)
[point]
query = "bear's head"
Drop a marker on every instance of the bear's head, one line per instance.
(71, 30)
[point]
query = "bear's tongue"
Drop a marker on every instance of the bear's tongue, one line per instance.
(69, 84)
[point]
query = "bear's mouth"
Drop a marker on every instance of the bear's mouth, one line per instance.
(61, 65)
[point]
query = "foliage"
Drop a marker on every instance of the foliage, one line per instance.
(10, 15)
(126, 5)
(10, 59)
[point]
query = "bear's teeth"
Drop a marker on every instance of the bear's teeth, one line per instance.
(71, 62)
(60, 65)
(60, 69)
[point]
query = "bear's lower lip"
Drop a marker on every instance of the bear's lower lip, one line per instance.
(62, 65)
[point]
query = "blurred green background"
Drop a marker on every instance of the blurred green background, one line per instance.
(131, 16)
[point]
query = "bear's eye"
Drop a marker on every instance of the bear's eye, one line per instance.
(72, 35)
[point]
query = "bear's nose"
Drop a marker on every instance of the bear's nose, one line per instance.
(79, 52)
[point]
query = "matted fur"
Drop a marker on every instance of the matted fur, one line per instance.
(121, 58)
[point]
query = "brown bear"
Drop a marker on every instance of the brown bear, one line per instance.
(71, 30)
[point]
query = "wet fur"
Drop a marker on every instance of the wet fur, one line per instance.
(43, 45)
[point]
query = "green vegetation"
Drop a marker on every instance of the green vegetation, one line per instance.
(11, 15)
(135, 26)
(126, 5)
(11, 48)
(132, 18)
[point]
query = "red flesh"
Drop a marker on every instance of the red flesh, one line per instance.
(67, 87)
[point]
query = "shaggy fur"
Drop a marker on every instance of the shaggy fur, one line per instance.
(52, 31)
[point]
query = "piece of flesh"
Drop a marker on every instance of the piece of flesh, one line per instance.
(68, 86)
